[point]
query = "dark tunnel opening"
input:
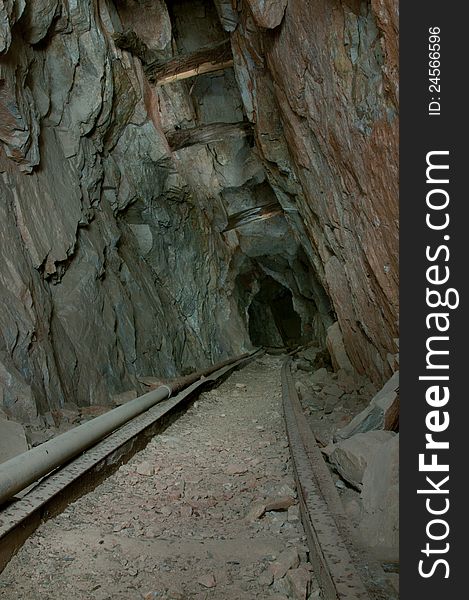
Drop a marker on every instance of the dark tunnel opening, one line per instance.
(273, 320)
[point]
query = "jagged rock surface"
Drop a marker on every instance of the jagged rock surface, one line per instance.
(320, 82)
(115, 262)
(110, 268)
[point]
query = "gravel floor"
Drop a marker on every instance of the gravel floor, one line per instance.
(189, 517)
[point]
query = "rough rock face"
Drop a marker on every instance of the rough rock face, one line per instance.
(84, 165)
(116, 259)
(319, 80)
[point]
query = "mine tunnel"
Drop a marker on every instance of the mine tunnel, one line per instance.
(198, 300)
(273, 320)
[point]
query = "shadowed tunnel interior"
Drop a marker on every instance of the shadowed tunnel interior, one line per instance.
(272, 318)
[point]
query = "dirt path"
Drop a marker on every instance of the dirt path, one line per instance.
(182, 519)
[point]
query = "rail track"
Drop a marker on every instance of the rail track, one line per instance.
(47, 497)
(343, 569)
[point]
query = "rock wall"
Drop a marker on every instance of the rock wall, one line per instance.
(116, 256)
(92, 296)
(319, 80)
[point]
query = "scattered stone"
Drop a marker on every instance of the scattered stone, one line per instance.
(346, 381)
(309, 354)
(330, 402)
(286, 490)
(299, 580)
(351, 456)
(235, 469)
(320, 376)
(368, 390)
(332, 389)
(323, 436)
(174, 593)
(280, 503)
(282, 586)
(120, 527)
(294, 514)
(303, 365)
(207, 581)
(266, 577)
(169, 439)
(256, 511)
(287, 560)
(186, 511)
(145, 468)
(381, 413)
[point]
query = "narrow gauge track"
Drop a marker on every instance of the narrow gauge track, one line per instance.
(70, 480)
(343, 569)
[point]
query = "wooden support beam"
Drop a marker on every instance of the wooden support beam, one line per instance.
(207, 134)
(256, 213)
(206, 60)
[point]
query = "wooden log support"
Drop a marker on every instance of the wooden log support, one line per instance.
(249, 215)
(207, 134)
(206, 60)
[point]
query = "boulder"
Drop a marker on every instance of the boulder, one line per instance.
(381, 413)
(380, 495)
(12, 439)
(352, 456)
(16, 396)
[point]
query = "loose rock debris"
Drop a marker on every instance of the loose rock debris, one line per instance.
(356, 426)
(207, 510)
